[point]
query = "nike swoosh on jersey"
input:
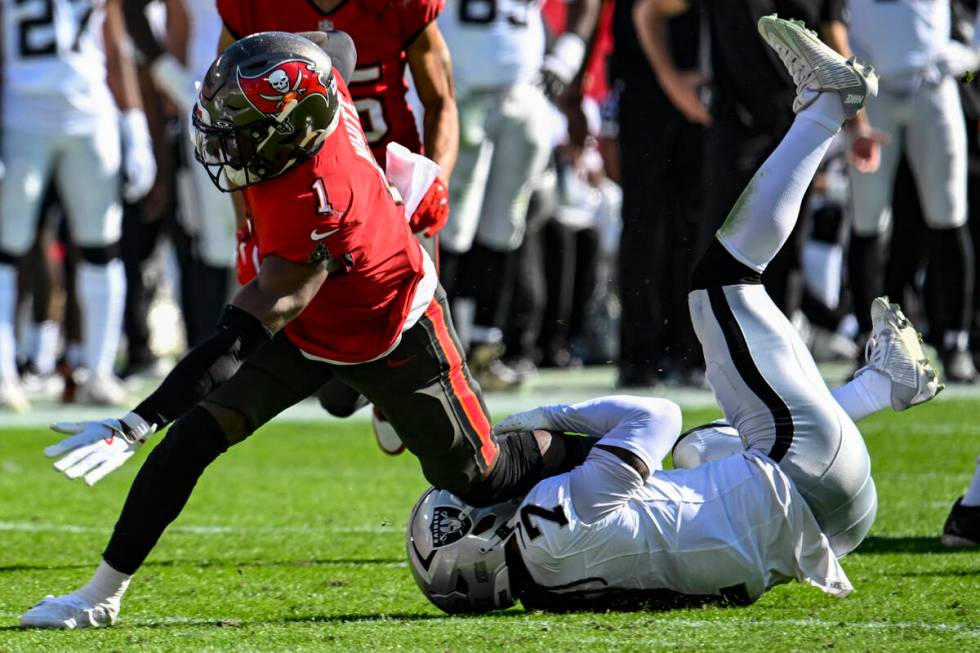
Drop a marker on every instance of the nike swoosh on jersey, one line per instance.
(316, 236)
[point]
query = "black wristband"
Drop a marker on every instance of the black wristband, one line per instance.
(205, 367)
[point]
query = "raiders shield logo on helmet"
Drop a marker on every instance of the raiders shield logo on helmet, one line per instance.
(448, 525)
(271, 91)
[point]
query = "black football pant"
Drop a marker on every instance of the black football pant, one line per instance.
(423, 388)
(660, 159)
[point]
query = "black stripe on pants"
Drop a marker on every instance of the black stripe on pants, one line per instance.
(742, 357)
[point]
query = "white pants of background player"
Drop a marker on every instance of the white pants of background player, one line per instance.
(85, 170)
(926, 122)
(763, 377)
(207, 214)
(505, 141)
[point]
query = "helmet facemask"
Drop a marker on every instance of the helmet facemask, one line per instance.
(239, 156)
(266, 105)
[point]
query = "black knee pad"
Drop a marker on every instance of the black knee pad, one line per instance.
(339, 399)
(100, 255)
(519, 466)
(6, 258)
(719, 268)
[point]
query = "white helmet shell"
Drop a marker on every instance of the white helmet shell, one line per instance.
(457, 554)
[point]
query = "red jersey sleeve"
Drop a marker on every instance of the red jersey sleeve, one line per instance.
(237, 16)
(415, 16)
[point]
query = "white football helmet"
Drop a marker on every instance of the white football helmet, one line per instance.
(457, 553)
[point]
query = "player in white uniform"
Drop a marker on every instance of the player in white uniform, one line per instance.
(500, 65)
(208, 213)
(918, 111)
(797, 494)
(60, 125)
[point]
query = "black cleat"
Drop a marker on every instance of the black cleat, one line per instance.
(962, 527)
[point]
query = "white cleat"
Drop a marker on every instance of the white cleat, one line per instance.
(816, 68)
(68, 612)
(102, 391)
(895, 350)
(12, 396)
(388, 439)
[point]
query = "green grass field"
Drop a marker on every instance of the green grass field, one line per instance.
(294, 541)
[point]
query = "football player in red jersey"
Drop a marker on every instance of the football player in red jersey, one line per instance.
(344, 291)
(388, 34)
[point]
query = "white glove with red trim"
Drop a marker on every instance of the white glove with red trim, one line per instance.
(96, 449)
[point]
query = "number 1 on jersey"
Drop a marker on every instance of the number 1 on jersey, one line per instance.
(322, 201)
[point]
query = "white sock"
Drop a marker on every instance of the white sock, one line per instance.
(766, 212)
(102, 293)
(46, 350)
(8, 302)
(107, 584)
(865, 394)
(972, 495)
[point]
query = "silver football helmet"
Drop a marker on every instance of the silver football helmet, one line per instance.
(456, 553)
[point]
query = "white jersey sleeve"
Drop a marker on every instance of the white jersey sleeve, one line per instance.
(647, 427)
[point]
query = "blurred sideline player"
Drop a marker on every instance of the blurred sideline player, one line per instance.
(618, 532)
(505, 77)
(388, 35)
(909, 44)
(64, 65)
(206, 214)
(344, 290)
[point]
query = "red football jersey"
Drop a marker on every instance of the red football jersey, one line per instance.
(338, 205)
(381, 30)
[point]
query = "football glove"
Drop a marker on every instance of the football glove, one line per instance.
(529, 420)
(561, 64)
(139, 166)
(433, 210)
(95, 449)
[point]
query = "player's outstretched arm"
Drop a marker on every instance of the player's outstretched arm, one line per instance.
(280, 293)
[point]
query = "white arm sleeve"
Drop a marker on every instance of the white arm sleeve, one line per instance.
(646, 427)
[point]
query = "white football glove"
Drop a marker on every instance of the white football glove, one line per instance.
(96, 449)
(139, 167)
(561, 64)
(529, 420)
(957, 59)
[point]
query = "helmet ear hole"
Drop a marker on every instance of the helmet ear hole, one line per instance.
(484, 525)
(461, 585)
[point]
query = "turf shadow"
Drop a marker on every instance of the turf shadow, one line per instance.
(879, 544)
